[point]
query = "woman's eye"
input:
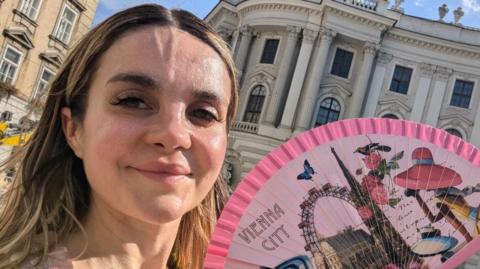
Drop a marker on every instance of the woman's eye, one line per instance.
(204, 115)
(131, 102)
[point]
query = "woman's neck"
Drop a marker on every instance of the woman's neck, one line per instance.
(115, 240)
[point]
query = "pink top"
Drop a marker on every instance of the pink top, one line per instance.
(57, 259)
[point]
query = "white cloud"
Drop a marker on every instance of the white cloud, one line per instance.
(471, 5)
(419, 3)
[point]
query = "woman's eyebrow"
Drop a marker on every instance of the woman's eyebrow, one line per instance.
(210, 96)
(136, 78)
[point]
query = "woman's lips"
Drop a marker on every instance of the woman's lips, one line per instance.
(163, 177)
(167, 173)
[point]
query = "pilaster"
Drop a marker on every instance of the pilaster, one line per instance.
(383, 59)
(360, 86)
(440, 85)
(423, 87)
(281, 80)
(298, 77)
(314, 79)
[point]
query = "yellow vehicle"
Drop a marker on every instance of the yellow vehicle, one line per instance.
(12, 135)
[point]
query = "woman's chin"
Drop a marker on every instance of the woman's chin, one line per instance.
(165, 210)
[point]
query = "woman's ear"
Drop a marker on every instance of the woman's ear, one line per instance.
(72, 131)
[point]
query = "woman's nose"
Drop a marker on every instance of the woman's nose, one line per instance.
(170, 132)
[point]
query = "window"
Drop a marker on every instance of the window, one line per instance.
(390, 116)
(43, 81)
(269, 51)
(341, 63)
(6, 116)
(65, 25)
(462, 93)
(254, 105)
(401, 79)
(454, 132)
(329, 111)
(30, 8)
(9, 65)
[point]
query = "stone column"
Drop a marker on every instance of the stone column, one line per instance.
(280, 83)
(298, 77)
(436, 100)
(242, 53)
(233, 44)
(361, 83)
(423, 87)
(312, 84)
(383, 59)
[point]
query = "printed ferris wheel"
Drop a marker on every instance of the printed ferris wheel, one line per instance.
(360, 193)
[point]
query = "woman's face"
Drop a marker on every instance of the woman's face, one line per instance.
(154, 133)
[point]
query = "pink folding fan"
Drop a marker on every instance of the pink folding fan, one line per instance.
(360, 193)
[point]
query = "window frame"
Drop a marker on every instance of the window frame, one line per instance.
(351, 63)
(400, 81)
(264, 47)
(390, 116)
(262, 89)
(37, 9)
(59, 22)
(19, 64)
(458, 132)
(35, 91)
(319, 106)
(453, 93)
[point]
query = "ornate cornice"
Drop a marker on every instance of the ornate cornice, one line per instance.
(19, 35)
(361, 19)
(395, 102)
(279, 7)
(439, 47)
(455, 120)
(334, 90)
(215, 18)
(260, 77)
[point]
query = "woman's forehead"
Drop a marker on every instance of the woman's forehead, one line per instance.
(166, 53)
(164, 42)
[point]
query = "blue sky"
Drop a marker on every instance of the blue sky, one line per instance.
(421, 8)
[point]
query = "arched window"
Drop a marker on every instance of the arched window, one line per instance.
(454, 132)
(390, 116)
(255, 104)
(329, 111)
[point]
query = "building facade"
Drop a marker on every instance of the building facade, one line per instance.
(36, 37)
(306, 63)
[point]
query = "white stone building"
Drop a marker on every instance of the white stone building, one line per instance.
(305, 63)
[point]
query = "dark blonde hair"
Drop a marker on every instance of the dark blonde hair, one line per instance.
(50, 193)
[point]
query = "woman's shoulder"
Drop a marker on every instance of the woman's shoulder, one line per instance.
(57, 259)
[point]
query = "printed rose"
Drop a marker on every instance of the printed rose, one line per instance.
(372, 160)
(380, 195)
(365, 212)
(369, 182)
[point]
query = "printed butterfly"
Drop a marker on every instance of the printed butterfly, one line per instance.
(307, 173)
